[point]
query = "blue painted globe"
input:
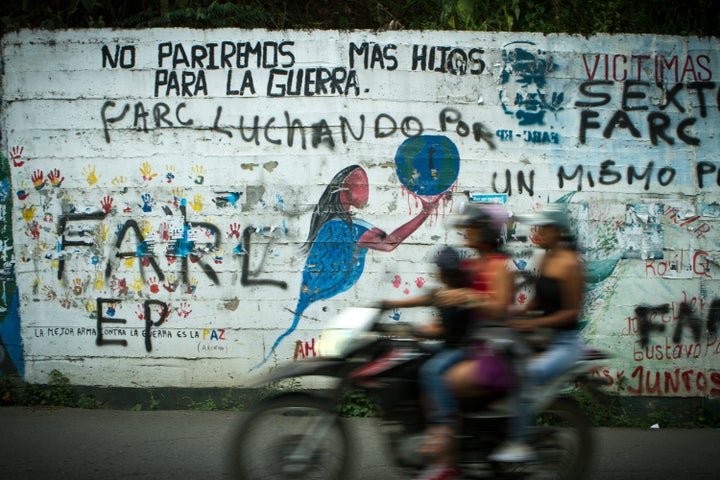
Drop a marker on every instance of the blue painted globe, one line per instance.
(427, 164)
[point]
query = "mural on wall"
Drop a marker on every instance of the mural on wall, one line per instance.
(526, 68)
(338, 242)
(11, 354)
(184, 207)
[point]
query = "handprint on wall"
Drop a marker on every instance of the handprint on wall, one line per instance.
(199, 173)
(16, 155)
(90, 175)
(169, 173)
(234, 231)
(197, 203)
(107, 204)
(147, 173)
(148, 202)
(153, 285)
(38, 181)
(56, 178)
(28, 212)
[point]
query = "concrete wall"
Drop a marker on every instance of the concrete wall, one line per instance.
(164, 181)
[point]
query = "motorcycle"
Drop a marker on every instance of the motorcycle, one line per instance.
(301, 435)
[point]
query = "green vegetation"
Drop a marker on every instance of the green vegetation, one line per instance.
(670, 17)
(355, 404)
(230, 401)
(153, 403)
(58, 392)
(615, 411)
(602, 410)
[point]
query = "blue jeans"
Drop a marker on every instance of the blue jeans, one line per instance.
(563, 352)
(443, 406)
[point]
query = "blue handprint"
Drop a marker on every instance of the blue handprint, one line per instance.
(147, 202)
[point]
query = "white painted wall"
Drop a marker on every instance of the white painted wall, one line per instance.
(98, 142)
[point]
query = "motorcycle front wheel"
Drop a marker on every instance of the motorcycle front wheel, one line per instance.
(296, 436)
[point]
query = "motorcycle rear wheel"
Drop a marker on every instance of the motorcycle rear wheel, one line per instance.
(265, 445)
(563, 443)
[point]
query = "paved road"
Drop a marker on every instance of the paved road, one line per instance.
(61, 443)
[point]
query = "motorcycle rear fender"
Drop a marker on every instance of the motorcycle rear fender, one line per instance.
(316, 367)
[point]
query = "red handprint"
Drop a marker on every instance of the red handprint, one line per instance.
(38, 181)
(15, 154)
(55, 178)
(183, 310)
(164, 232)
(33, 230)
(234, 231)
(106, 204)
(153, 284)
(122, 286)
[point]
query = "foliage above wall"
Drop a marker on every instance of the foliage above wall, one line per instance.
(670, 17)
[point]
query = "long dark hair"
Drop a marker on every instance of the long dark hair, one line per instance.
(329, 206)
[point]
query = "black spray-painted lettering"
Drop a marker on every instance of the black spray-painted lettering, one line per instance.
(452, 60)
(124, 56)
(226, 54)
(373, 55)
(609, 175)
(635, 97)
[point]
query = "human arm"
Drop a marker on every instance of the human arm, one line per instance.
(424, 300)
(494, 302)
(377, 239)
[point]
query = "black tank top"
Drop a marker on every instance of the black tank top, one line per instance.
(456, 322)
(547, 290)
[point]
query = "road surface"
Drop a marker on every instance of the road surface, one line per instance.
(77, 444)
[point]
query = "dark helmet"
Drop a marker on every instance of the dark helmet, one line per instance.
(449, 262)
(448, 259)
(490, 218)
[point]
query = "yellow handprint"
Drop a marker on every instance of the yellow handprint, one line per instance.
(119, 181)
(197, 203)
(137, 284)
(90, 307)
(199, 172)
(147, 172)
(104, 232)
(129, 262)
(178, 193)
(146, 228)
(169, 173)
(28, 212)
(99, 281)
(90, 175)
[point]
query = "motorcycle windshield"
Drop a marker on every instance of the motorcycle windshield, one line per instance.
(345, 328)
